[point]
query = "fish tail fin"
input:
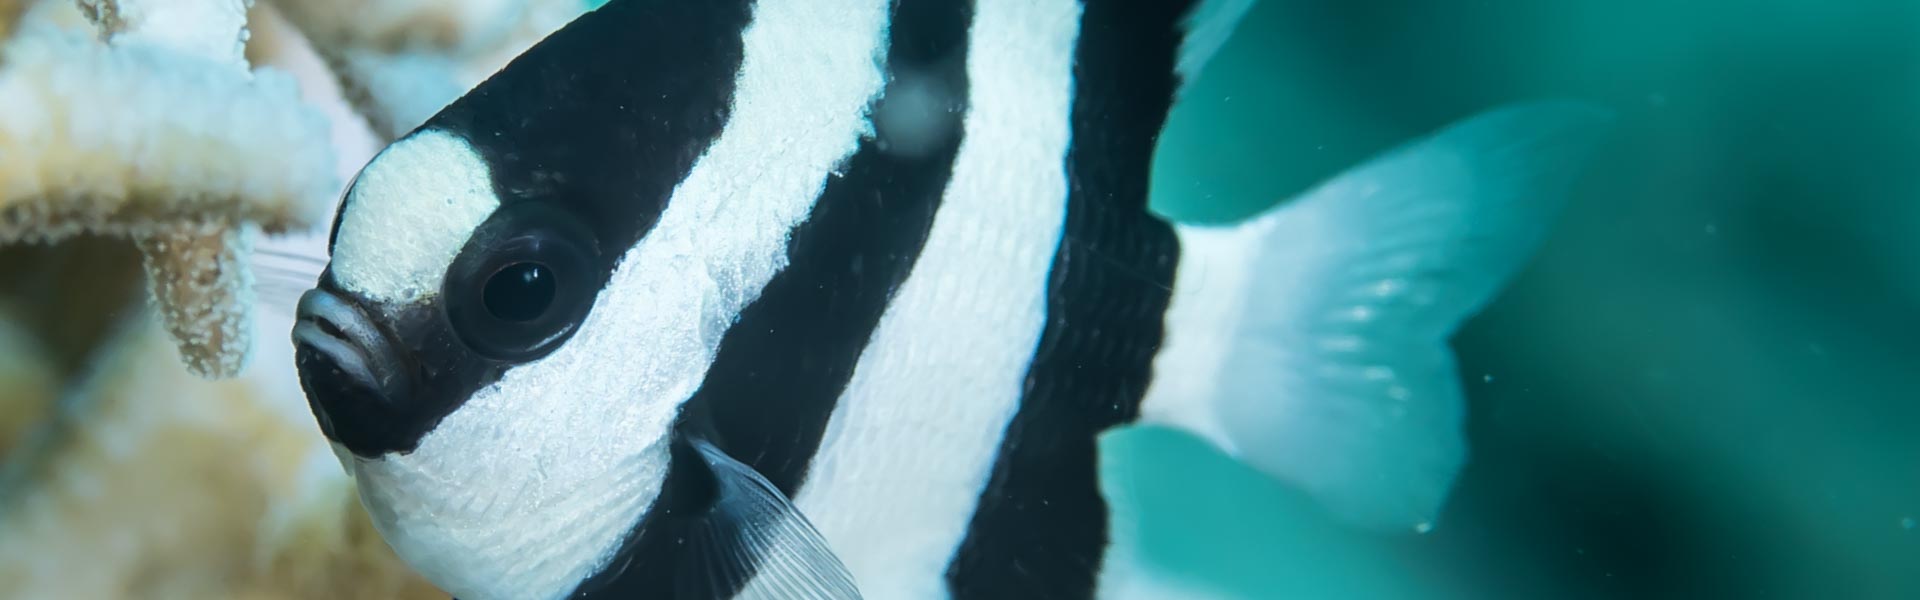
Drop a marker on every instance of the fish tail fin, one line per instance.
(1310, 341)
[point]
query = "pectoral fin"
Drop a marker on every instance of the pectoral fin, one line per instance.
(754, 540)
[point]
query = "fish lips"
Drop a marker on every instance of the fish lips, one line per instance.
(353, 375)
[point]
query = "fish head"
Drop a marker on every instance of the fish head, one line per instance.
(461, 326)
(503, 346)
(435, 289)
(450, 354)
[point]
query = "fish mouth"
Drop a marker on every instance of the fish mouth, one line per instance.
(352, 374)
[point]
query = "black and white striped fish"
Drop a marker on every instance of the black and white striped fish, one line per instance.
(827, 298)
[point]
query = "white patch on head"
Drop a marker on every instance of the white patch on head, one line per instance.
(408, 215)
(534, 482)
(914, 438)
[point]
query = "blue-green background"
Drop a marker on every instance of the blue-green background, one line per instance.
(1704, 386)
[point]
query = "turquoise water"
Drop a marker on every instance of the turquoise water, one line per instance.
(1703, 386)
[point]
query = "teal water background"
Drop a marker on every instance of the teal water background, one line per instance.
(1704, 386)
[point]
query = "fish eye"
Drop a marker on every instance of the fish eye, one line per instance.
(523, 283)
(519, 292)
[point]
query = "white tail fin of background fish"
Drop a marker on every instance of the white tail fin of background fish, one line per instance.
(1208, 27)
(1310, 341)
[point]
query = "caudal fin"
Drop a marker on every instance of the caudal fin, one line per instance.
(1310, 341)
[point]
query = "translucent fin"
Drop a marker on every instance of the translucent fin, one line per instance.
(755, 541)
(1207, 28)
(1311, 340)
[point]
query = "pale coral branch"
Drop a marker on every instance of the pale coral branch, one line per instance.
(211, 29)
(54, 14)
(396, 92)
(116, 139)
(218, 495)
(278, 45)
(173, 150)
(453, 27)
(536, 20)
(78, 149)
(201, 282)
(197, 272)
(398, 63)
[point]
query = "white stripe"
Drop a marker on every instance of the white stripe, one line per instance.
(912, 441)
(534, 482)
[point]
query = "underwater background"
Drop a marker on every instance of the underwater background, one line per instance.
(1703, 386)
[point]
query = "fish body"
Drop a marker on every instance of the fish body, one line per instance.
(833, 298)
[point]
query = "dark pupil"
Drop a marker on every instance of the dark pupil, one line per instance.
(519, 292)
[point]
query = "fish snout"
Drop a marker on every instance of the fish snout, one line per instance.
(352, 373)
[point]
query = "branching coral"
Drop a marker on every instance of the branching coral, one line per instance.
(224, 494)
(145, 121)
(163, 136)
(399, 62)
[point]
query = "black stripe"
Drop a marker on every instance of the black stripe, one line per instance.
(782, 366)
(1040, 530)
(608, 115)
(600, 120)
